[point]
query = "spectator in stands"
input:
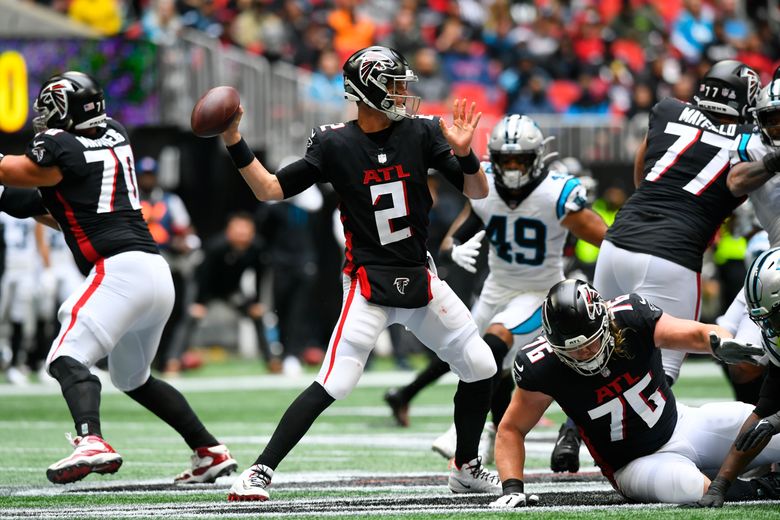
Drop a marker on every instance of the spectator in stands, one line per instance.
(693, 29)
(430, 85)
(218, 277)
(406, 37)
(593, 97)
(326, 87)
(258, 29)
(102, 15)
(161, 23)
(514, 79)
(353, 30)
(533, 98)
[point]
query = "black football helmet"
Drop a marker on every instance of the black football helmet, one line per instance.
(729, 88)
(69, 101)
(377, 76)
(574, 316)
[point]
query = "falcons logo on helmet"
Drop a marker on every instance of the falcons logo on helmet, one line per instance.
(373, 61)
(753, 84)
(56, 95)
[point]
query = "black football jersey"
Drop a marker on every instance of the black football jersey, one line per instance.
(96, 204)
(625, 412)
(683, 199)
(384, 189)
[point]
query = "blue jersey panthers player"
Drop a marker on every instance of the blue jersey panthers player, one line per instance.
(608, 354)
(526, 217)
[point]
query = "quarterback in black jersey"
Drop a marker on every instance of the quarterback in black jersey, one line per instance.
(655, 245)
(379, 164)
(82, 164)
(600, 361)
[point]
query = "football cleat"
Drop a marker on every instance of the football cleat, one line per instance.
(399, 406)
(566, 454)
(472, 477)
(446, 443)
(91, 455)
(487, 444)
(768, 486)
(252, 484)
(208, 464)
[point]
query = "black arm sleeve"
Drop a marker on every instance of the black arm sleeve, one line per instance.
(446, 164)
(468, 228)
(22, 202)
(769, 395)
(297, 177)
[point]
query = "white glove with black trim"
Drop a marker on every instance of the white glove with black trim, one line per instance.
(733, 352)
(465, 254)
(514, 496)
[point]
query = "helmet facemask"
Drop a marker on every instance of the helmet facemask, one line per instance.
(515, 170)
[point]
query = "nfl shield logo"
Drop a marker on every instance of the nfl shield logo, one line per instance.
(382, 158)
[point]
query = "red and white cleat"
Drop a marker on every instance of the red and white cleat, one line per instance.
(252, 484)
(208, 464)
(91, 455)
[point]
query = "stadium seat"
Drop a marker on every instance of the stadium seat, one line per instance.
(562, 93)
(489, 99)
(630, 52)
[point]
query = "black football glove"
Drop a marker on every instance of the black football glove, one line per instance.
(716, 494)
(732, 352)
(758, 433)
(772, 161)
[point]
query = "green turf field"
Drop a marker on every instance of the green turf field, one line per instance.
(354, 463)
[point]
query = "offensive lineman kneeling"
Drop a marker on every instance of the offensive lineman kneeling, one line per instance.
(651, 448)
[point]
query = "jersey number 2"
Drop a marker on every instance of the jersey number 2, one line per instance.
(686, 137)
(400, 208)
(116, 161)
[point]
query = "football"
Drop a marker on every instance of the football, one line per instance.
(214, 111)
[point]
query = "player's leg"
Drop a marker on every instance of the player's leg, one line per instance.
(446, 327)
(665, 477)
(351, 343)
(398, 399)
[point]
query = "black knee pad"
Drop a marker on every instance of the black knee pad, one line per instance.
(68, 372)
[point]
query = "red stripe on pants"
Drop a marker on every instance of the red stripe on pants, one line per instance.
(100, 273)
(337, 338)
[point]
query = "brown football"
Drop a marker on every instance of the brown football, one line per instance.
(214, 111)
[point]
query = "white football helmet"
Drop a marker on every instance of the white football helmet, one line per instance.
(762, 293)
(517, 151)
(767, 111)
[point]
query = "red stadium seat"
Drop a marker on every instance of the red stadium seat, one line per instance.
(489, 100)
(630, 52)
(562, 93)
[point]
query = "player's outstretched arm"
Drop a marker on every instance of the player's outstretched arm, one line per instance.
(524, 411)
(587, 225)
(21, 171)
(703, 338)
(459, 136)
(745, 177)
(263, 183)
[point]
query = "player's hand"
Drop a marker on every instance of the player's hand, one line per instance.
(514, 500)
(231, 136)
(715, 495)
(732, 351)
(464, 123)
(465, 255)
(758, 433)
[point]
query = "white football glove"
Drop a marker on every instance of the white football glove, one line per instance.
(732, 351)
(465, 255)
(514, 500)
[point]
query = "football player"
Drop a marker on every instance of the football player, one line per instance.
(651, 448)
(379, 164)
(656, 243)
(82, 163)
(525, 217)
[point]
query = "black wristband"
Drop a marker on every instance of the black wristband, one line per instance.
(772, 162)
(512, 485)
(468, 164)
(240, 153)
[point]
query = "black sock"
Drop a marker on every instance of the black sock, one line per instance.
(295, 422)
(472, 401)
(81, 390)
(168, 404)
(502, 395)
(498, 348)
(16, 342)
(435, 369)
